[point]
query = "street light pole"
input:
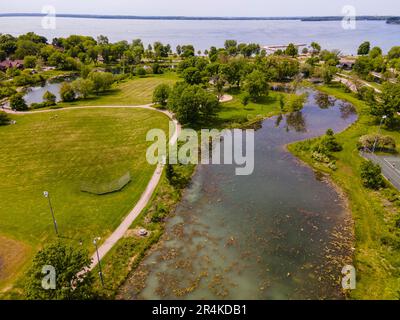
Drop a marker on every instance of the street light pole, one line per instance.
(98, 260)
(47, 195)
(379, 132)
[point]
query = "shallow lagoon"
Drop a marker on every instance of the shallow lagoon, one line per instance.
(264, 236)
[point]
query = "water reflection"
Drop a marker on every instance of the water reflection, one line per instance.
(264, 236)
(296, 121)
(347, 109)
(324, 101)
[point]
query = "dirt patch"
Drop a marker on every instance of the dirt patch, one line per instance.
(12, 255)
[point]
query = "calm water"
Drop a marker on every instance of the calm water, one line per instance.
(263, 236)
(35, 94)
(204, 34)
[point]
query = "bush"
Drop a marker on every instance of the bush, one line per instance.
(327, 144)
(161, 94)
(371, 175)
(49, 98)
(4, 119)
(382, 142)
(67, 93)
(141, 72)
(83, 87)
(17, 102)
(38, 105)
(102, 81)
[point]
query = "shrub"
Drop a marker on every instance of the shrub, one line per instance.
(49, 98)
(141, 72)
(371, 175)
(83, 87)
(4, 119)
(161, 94)
(38, 105)
(67, 93)
(382, 142)
(17, 102)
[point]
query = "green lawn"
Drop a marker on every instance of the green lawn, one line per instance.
(377, 255)
(234, 112)
(56, 152)
(132, 92)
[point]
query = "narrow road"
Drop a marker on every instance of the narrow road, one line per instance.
(108, 244)
(390, 167)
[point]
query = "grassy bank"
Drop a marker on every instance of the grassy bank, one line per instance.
(377, 248)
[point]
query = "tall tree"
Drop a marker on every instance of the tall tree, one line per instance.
(67, 262)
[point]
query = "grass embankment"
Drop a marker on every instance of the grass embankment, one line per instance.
(132, 92)
(377, 254)
(56, 152)
(235, 114)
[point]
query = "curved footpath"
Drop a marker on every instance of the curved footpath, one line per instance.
(109, 243)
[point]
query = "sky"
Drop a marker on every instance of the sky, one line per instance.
(206, 7)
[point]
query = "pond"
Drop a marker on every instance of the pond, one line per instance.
(276, 234)
(35, 94)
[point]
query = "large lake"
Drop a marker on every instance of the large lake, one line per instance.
(276, 234)
(204, 34)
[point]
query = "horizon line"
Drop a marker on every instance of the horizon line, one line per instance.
(183, 17)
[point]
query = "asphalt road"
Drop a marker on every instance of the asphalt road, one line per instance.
(390, 167)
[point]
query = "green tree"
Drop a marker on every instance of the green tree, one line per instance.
(316, 47)
(4, 119)
(102, 81)
(67, 262)
(364, 48)
(394, 53)
(49, 98)
(246, 99)
(67, 93)
(192, 76)
(17, 102)
(328, 72)
(389, 103)
(256, 85)
(231, 47)
(292, 50)
(192, 104)
(371, 175)
(30, 61)
(363, 66)
(83, 87)
(375, 52)
(161, 94)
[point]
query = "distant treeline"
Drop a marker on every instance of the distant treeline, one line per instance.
(389, 19)
(393, 20)
(359, 18)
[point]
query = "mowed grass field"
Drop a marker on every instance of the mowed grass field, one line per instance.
(138, 91)
(56, 152)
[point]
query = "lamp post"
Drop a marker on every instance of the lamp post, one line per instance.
(47, 195)
(379, 132)
(98, 260)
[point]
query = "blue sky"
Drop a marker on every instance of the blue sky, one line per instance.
(207, 7)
